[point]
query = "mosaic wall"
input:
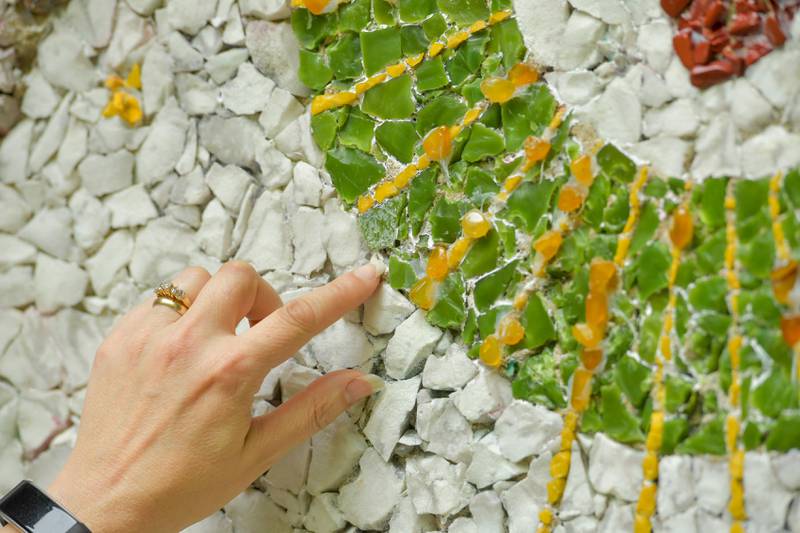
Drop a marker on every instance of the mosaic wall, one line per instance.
(659, 311)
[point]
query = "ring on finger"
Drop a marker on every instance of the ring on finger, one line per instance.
(171, 296)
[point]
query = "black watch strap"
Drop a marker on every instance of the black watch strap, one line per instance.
(32, 511)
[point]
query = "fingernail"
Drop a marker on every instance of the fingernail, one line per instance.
(367, 272)
(362, 387)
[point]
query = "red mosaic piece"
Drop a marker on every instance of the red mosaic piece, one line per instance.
(719, 39)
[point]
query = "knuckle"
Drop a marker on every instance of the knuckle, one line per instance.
(196, 271)
(240, 270)
(302, 314)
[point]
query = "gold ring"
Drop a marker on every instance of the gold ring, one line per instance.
(171, 296)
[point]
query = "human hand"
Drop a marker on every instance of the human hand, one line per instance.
(166, 436)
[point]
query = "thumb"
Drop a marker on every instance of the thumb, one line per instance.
(274, 434)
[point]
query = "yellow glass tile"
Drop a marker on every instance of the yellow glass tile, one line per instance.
(413, 61)
(364, 203)
(555, 489)
(546, 516)
(134, 80)
(499, 16)
(472, 115)
(641, 524)
(650, 466)
(384, 191)
(114, 82)
(559, 464)
(512, 182)
(435, 49)
(736, 464)
(396, 70)
(646, 505)
(456, 39)
(423, 162)
(478, 26)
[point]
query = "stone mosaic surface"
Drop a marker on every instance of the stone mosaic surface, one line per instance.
(156, 134)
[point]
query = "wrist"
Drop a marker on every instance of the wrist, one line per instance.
(101, 506)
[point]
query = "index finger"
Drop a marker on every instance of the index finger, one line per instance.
(278, 336)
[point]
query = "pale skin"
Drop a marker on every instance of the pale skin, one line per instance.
(166, 435)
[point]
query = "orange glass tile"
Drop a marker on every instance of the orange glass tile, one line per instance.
(581, 168)
(475, 224)
(438, 144)
(783, 281)
(423, 293)
(569, 199)
(523, 74)
(591, 358)
(602, 276)
(682, 229)
(536, 149)
(581, 389)
(548, 244)
(597, 309)
(437, 267)
(790, 327)
(510, 330)
(490, 351)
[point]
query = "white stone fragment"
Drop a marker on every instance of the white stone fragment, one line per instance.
(16, 287)
(615, 469)
(618, 517)
(15, 251)
(716, 153)
(216, 523)
(463, 524)
(274, 51)
(484, 397)
(774, 75)
(291, 471)
(575, 87)
(32, 360)
(773, 148)
(281, 109)
(73, 148)
(579, 42)
(444, 429)
(233, 35)
(342, 236)
(229, 184)
(710, 480)
(794, 516)
(753, 111)
(164, 145)
(406, 519)
(307, 235)
(130, 32)
(296, 378)
(524, 499)
(222, 66)
(488, 466)
(610, 11)
(131, 207)
(163, 248)
(266, 243)
(215, 234)
(189, 16)
(487, 511)
(297, 141)
(685, 522)
(11, 465)
(113, 255)
(40, 414)
(196, 95)
(10, 324)
(390, 415)
(188, 159)
(276, 168)
(247, 93)
(368, 501)
(412, 342)
(50, 231)
(50, 139)
(334, 454)
(208, 41)
(385, 310)
(342, 345)
(40, 98)
(437, 486)
(616, 114)
(578, 499)
(92, 219)
(655, 42)
(324, 515)
(251, 510)
(667, 155)
(786, 467)
(542, 23)
(231, 140)
(675, 488)
(190, 189)
(63, 62)
(525, 429)
(157, 80)
(678, 119)
(764, 493)
(265, 9)
(14, 153)
(307, 186)
(58, 283)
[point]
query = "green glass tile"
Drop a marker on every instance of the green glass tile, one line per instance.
(391, 100)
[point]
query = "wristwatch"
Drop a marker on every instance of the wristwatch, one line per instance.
(31, 510)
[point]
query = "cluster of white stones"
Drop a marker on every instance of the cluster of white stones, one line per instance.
(93, 214)
(614, 64)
